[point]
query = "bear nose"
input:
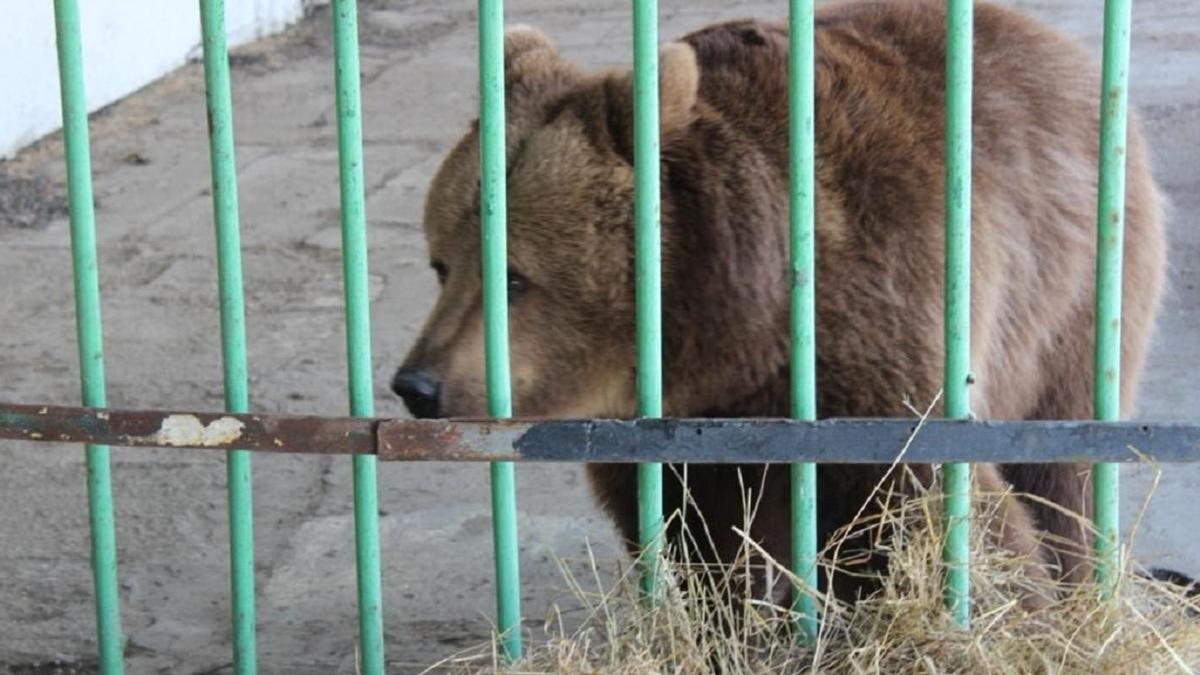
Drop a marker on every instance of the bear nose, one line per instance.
(420, 391)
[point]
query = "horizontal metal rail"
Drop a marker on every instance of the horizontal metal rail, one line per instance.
(717, 441)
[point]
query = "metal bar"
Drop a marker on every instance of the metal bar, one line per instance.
(803, 314)
(233, 327)
(851, 441)
(1110, 233)
(494, 215)
(701, 441)
(358, 330)
(648, 273)
(198, 430)
(956, 477)
(88, 329)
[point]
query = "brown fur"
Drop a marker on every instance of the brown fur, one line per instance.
(880, 102)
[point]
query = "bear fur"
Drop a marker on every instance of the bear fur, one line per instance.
(880, 81)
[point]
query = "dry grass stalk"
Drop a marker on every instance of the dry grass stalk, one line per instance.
(1153, 627)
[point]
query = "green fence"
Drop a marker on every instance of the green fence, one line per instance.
(956, 477)
(492, 206)
(368, 440)
(802, 216)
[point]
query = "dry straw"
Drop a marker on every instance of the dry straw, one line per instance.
(709, 622)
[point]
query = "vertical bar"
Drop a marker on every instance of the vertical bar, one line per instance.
(233, 326)
(648, 272)
(957, 477)
(803, 315)
(493, 205)
(88, 329)
(358, 329)
(1109, 249)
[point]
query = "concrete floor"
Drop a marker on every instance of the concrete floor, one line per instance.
(158, 277)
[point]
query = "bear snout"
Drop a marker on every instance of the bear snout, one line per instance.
(422, 393)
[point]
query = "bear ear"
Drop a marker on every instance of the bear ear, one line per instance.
(678, 92)
(678, 87)
(528, 54)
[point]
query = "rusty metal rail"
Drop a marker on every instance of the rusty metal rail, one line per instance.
(858, 441)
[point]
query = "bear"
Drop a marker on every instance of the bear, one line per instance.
(880, 100)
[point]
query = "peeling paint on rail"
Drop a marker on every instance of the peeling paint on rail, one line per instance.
(189, 431)
(224, 431)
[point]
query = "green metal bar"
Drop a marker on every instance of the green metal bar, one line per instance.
(957, 476)
(1110, 233)
(648, 244)
(233, 326)
(493, 206)
(88, 329)
(803, 315)
(358, 330)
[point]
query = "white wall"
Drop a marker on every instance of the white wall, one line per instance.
(126, 45)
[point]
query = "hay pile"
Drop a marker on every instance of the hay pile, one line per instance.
(1153, 627)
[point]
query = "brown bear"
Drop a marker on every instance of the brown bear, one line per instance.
(880, 83)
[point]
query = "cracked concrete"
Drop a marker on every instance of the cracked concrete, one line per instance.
(158, 278)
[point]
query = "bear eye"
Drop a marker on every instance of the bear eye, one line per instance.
(439, 268)
(517, 285)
